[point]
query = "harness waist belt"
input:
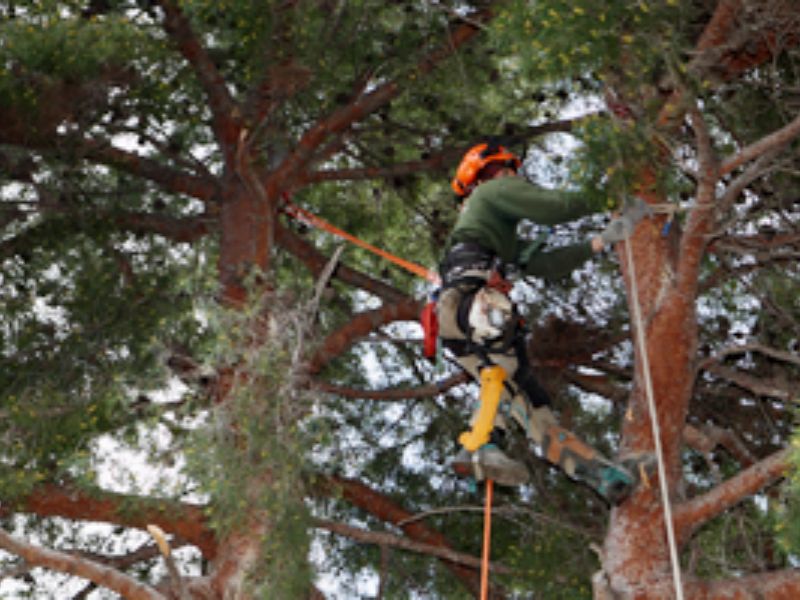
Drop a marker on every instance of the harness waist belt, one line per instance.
(466, 258)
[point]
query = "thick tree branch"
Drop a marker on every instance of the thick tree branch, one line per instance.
(693, 513)
(742, 35)
(359, 327)
(779, 355)
(422, 391)
(188, 229)
(225, 114)
(757, 385)
(341, 119)
(186, 521)
(756, 169)
(169, 179)
(719, 26)
(776, 139)
(769, 585)
(116, 581)
(708, 437)
(701, 218)
(382, 538)
(147, 551)
(386, 510)
(602, 385)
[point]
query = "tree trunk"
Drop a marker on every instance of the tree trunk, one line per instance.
(636, 554)
(246, 237)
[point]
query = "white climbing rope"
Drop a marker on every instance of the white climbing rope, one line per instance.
(651, 405)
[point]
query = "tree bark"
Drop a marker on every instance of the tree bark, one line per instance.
(186, 521)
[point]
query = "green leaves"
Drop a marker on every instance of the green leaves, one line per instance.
(554, 39)
(67, 48)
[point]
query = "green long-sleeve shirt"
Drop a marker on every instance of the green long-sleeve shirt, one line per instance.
(495, 208)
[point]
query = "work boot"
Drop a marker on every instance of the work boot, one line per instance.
(490, 462)
(613, 481)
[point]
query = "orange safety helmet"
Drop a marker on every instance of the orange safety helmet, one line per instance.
(475, 160)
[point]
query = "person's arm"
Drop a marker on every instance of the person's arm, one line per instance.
(519, 199)
(560, 262)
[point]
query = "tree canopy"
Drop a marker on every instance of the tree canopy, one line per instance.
(177, 350)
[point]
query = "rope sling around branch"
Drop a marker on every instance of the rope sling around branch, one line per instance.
(656, 429)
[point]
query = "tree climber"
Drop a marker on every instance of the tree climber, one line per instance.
(480, 326)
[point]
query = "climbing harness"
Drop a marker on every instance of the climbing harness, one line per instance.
(311, 219)
(651, 406)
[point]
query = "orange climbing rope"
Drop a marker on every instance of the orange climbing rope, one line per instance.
(315, 221)
(487, 538)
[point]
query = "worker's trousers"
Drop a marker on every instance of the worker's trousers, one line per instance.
(523, 398)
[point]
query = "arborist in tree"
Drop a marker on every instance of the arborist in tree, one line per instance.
(479, 324)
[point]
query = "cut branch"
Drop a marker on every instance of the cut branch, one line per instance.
(104, 576)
